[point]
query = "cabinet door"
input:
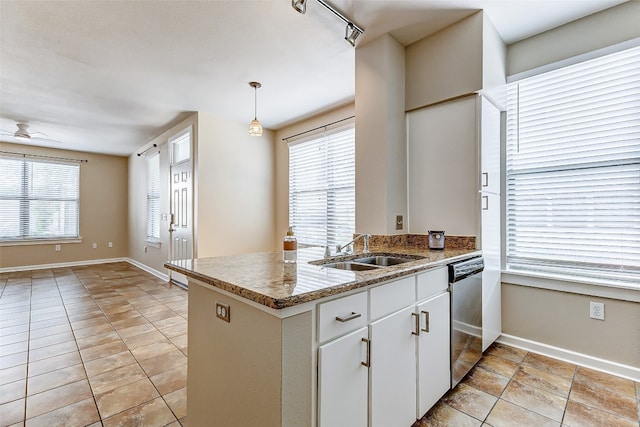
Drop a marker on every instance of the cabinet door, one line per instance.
(343, 381)
(393, 370)
(434, 375)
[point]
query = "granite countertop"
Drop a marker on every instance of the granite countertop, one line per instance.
(264, 278)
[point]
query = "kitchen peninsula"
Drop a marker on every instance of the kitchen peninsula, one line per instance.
(259, 329)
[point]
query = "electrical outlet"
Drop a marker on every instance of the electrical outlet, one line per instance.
(399, 222)
(223, 311)
(110, 244)
(95, 246)
(58, 249)
(596, 310)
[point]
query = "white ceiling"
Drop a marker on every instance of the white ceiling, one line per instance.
(108, 76)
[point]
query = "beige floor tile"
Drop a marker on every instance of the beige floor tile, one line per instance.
(498, 365)
(181, 342)
(605, 381)
(169, 322)
(597, 397)
(96, 340)
(130, 323)
(115, 378)
(77, 414)
(505, 414)
(553, 366)
(153, 350)
(13, 374)
(53, 330)
(103, 350)
(443, 415)
(471, 401)
(52, 351)
(543, 380)
(53, 363)
(159, 314)
(579, 415)
(177, 401)
(140, 340)
(175, 330)
(108, 363)
(158, 364)
(14, 338)
(93, 330)
(51, 340)
(49, 323)
(152, 413)
(535, 400)
(13, 360)
(136, 330)
(18, 347)
(12, 412)
(506, 352)
(129, 314)
(12, 391)
(486, 381)
(57, 398)
(170, 381)
(54, 379)
(94, 314)
(125, 397)
(89, 323)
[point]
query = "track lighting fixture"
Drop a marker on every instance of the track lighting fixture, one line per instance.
(299, 5)
(255, 127)
(351, 32)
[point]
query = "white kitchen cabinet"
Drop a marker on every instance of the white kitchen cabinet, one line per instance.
(434, 375)
(343, 381)
(393, 370)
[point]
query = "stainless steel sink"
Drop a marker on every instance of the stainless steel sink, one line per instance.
(383, 260)
(350, 265)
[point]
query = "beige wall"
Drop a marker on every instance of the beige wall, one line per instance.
(381, 146)
(235, 189)
(103, 212)
(609, 27)
(153, 257)
(561, 319)
(281, 153)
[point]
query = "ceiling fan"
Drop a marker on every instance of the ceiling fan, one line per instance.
(22, 135)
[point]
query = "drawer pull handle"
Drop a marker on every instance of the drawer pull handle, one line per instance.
(367, 362)
(351, 316)
(485, 179)
(416, 316)
(426, 321)
(485, 203)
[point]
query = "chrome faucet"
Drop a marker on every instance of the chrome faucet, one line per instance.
(340, 248)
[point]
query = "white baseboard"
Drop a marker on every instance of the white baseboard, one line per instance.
(148, 269)
(61, 264)
(614, 368)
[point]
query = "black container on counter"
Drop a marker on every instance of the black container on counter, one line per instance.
(436, 240)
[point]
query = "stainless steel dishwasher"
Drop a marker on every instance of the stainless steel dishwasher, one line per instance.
(465, 285)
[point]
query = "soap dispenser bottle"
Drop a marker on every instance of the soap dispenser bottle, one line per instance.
(289, 247)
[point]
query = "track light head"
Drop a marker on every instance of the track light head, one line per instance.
(351, 33)
(299, 5)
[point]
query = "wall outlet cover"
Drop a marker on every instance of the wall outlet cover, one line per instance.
(596, 310)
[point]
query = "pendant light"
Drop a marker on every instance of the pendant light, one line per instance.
(255, 128)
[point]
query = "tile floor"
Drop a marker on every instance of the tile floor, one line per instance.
(106, 345)
(102, 345)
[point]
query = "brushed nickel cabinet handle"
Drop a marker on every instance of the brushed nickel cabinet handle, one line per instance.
(351, 316)
(367, 362)
(485, 179)
(485, 203)
(426, 321)
(416, 316)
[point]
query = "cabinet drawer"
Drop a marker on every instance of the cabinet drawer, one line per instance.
(432, 282)
(341, 316)
(392, 297)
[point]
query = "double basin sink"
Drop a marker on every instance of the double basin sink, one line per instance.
(371, 262)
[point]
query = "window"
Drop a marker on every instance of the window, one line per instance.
(153, 198)
(38, 199)
(322, 188)
(573, 170)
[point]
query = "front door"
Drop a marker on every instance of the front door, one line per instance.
(181, 202)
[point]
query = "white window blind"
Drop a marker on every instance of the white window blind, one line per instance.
(322, 188)
(573, 170)
(153, 198)
(38, 199)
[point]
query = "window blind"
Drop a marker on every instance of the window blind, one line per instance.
(322, 188)
(38, 199)
(573, 169)
(153, 198)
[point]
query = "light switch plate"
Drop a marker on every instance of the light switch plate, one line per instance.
(399, 222)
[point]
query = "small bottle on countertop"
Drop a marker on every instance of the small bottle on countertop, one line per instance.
(289, 247)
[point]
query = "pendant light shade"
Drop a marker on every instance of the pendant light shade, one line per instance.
(255, 128)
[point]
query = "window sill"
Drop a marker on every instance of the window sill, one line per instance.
(40, 242)
(153, 243)
(625, 291)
